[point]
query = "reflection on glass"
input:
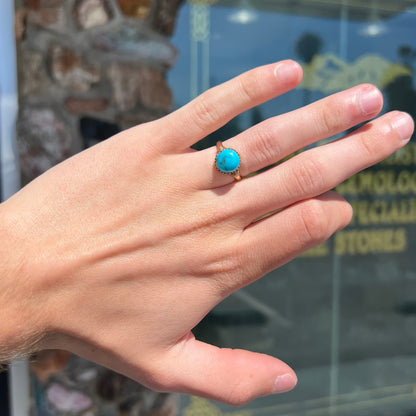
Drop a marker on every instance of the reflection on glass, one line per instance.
(343, 315)
(244, 15)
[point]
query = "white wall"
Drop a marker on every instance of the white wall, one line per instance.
(19, 379)
(8, 101)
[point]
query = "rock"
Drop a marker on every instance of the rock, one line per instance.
(49, 14)
(67, 400)
(43, 138)
(39, 4)
(130, 389)
(70, 71)
(46, 363)
(137, 9)
(125, 82)
(154, 91)
(133, 85)
(20, 24)
(136, 44)
(109, 385)
(164, 18)
(91, 13)
(78, 106)
(87, 375)
(166, 404)
(130, 407)
(91, 412)
(33, 4)
(32, 74)
(81, 373)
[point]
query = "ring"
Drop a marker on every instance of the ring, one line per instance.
(227, 161)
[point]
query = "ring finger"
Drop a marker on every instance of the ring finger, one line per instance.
(272, 140)
(318, 170)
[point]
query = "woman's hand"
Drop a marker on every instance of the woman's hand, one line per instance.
(117, 253)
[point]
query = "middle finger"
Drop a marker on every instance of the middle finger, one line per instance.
(275, 138)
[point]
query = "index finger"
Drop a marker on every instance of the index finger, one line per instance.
(218, 105)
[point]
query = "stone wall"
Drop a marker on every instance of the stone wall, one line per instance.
(88, 69)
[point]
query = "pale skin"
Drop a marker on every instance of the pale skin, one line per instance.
(117, 253)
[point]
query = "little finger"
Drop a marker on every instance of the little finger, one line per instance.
(279, 238)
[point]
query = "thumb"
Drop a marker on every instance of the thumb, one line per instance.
(230, 376)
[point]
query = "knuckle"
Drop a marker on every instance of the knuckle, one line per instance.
(227, 271)
(314, 221)
(248, 87)
(224, 268)
(369, 140)
(327, 119)
(205, 113)
(266, 148)
(369, 145)
(309, 176)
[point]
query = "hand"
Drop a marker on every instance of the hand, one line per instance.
(117, 253)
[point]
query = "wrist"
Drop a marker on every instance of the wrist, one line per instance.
(20, 326)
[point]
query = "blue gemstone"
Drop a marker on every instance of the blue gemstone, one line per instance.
(227, 161)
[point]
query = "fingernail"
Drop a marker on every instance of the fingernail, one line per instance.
(404, 125)
(287, 72)
(284, 383)
(370, 100)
